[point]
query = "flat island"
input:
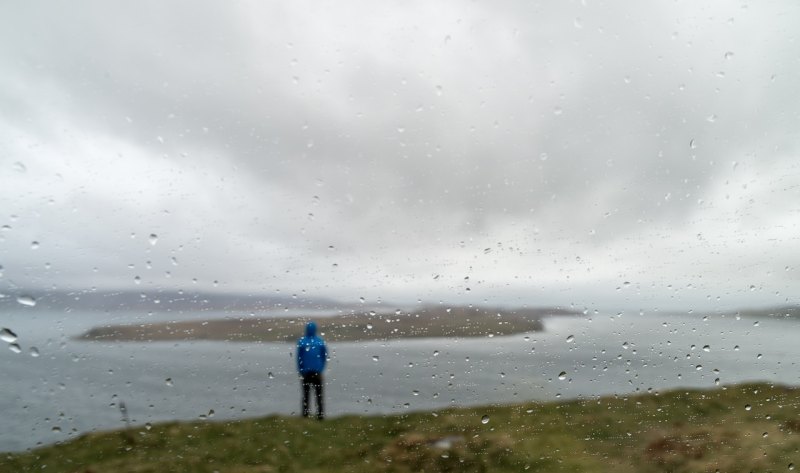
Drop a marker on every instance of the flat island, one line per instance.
(356, 326)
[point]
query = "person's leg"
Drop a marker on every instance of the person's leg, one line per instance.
(306, 386)
(318, 390)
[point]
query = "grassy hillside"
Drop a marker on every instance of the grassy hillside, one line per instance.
(741, 428)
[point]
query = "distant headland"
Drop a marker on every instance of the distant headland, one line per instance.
(356, 326)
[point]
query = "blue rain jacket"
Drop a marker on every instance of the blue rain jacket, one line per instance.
(311, 352)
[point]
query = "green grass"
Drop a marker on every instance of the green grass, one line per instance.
(677, 431)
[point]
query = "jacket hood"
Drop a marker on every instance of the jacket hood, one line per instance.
(311, 329)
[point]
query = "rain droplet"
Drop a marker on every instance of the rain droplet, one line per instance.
(7, 335)
(375, 358)
(625, 345)
(728, 54)
(34, 352)
(747, 407)
(19, 167)
(369, 326)
(570, 339)
(578, 23)
(56, 429)
(34, 245)
(558, 111)
(485, 420)
(26, 300)
(562, 375)
(153, 239)
(698, 367)
(270, 375)
(712, 118)
(168, 381)
(706, 348)
(174, 261)
(137, 280)
(692, 144)
(15, 348)
(436, 353)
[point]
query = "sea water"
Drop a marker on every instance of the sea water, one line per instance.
(73, 386)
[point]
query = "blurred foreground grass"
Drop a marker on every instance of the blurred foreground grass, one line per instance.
(753, 427)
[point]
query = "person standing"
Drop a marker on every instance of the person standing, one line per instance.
(311, 357)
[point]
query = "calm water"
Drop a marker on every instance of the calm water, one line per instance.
(73, 387)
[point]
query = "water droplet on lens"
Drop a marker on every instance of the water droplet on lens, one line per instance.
(137, 280)
(375, 358)
(485, 420)
(270, 375)
(15, 348)
(747, 407)
(34, 352)
(19, 167)
(706, 348)
(8, 336)
(570, 339)
(436, 353)
(562, 375)
(168, 381)
(153, 239)
(34, 245)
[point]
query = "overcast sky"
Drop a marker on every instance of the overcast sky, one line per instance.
(601, 154)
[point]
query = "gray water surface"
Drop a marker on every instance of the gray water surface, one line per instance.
(74, 387)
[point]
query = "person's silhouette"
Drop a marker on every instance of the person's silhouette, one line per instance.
(311, 357)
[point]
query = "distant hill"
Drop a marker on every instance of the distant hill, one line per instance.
(783, 312)
(161, 301)
(424, 322)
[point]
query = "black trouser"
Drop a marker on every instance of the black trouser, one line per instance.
(315, 380)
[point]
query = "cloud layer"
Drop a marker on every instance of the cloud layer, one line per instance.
(595, 154)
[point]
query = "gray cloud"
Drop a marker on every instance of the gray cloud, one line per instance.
(548, 153)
